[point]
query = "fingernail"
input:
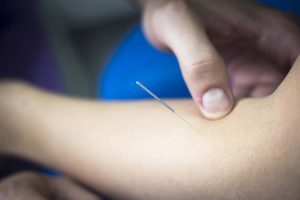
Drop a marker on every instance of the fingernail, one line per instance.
(215, 103)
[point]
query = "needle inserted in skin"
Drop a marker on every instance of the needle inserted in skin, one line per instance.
(165, 104)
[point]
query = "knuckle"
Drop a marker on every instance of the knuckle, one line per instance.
(205, 73)
(209, 65)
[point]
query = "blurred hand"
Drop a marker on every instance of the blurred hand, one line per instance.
(257, 44)
(28, 185)
(251, 74)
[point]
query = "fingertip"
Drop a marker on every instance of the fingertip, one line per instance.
(216, 103)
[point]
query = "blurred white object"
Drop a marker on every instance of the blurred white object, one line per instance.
(82, 13)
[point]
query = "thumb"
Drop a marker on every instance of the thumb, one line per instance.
(203, 69)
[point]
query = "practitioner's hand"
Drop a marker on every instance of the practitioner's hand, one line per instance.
(206, 34)
(33, 186)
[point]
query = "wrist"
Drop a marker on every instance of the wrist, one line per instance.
(18, 118)
(7, 134)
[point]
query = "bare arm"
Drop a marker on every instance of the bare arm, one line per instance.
(139, 150)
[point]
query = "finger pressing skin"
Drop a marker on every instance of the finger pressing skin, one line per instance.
(262, 90)
(203, 69)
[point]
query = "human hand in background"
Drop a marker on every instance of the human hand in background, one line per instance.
(257, 44)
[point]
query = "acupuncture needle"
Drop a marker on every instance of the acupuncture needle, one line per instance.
(164, 104)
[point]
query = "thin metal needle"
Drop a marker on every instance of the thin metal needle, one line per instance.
(165, 104)
(154, 96)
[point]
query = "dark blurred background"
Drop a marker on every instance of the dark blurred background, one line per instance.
(84, 34)
(61, 45)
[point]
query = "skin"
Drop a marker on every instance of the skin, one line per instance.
(210, 41)
(217, 42)
(138, 150)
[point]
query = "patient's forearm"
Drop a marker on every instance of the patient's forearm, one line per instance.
(113, 146)
(139, 150)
